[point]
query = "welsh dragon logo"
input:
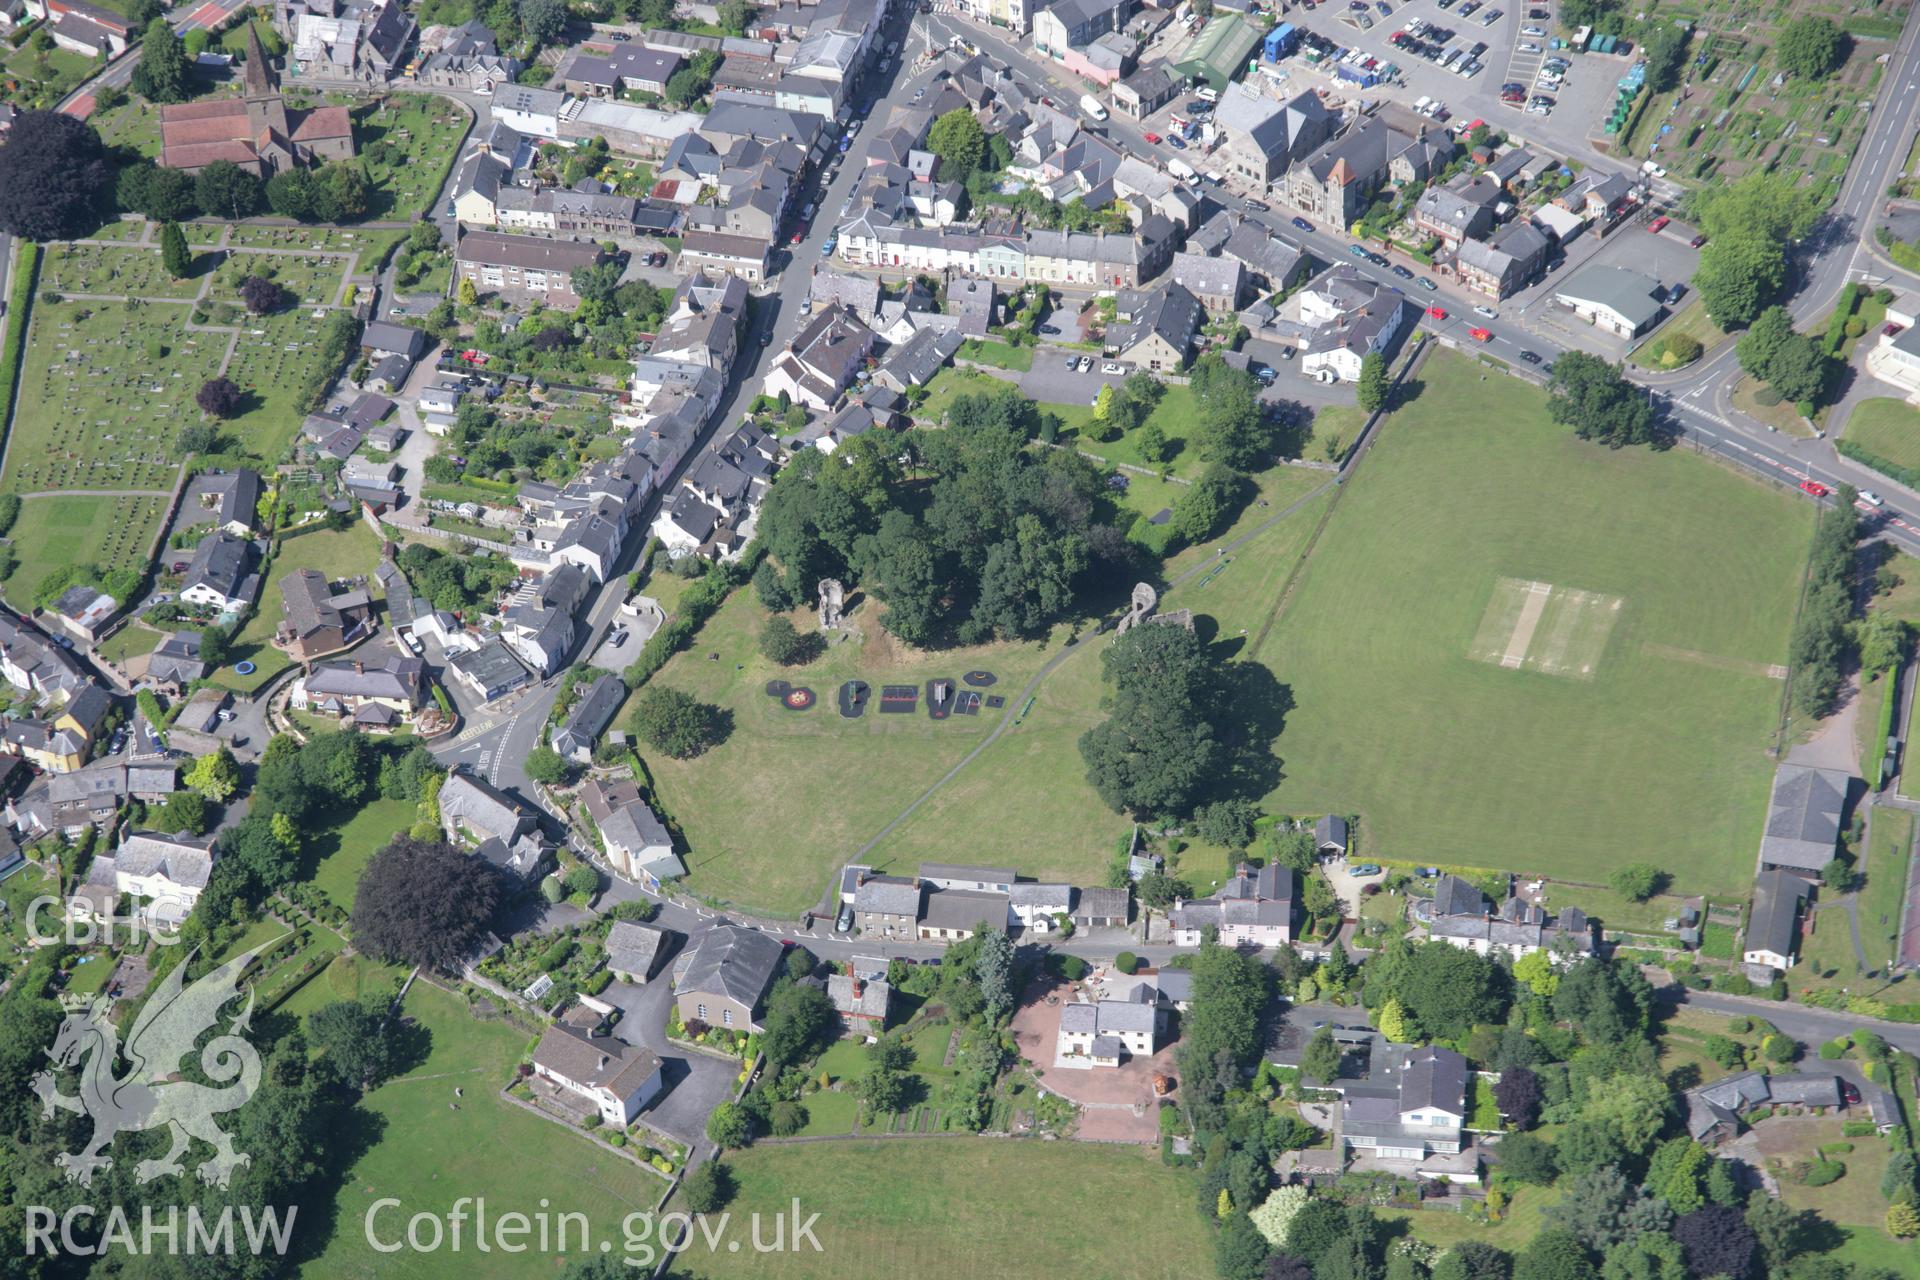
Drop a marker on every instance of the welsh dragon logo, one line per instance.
(152, 1094)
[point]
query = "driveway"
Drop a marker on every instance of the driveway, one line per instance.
(1117, 1103)
(1051, 382)
(696, 1084)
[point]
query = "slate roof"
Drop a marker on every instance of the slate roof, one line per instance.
(1618, 289)
(734, 962)
(1101, 903)
(596, 1062)
(888, 895)
(222, 563)
(1434, 1078)
(481, 807)
(185, 860)
(1803, 817)
(1773, 924)
(634, 947)
(963, 909)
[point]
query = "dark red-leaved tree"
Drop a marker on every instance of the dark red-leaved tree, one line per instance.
(1717, 1240)
(423, 902)
(55, 177)
(1518, 1095)
(220, 397)
(262, 295)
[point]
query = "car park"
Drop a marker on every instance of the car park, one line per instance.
(1814, 488)
(1110, 367)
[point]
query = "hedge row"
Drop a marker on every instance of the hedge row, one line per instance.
(1842, 312)
(1885, 466)
(1877, 749)
(18, 309)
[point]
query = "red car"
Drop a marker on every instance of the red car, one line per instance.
(1438, 313)
(1814, 488)
(1480, 335)
(800, 234)
(1658, 223)
(1154, 139)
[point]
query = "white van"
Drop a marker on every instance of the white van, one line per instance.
(1093, 106)
(1182, 170)
(1207, 93)
(1422, 103)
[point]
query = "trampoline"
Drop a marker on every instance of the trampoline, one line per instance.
(244, 669)
(853, 699)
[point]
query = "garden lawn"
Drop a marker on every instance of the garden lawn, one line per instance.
(1000, 354)
(960, 1206)
(1692, 321)
(1880, 900)
(1854, 1200)
(344, 843)
(54, 532)
(133, 640)
(1888, 427)
(1523, 1221)
(349, 977)
(427, 1152)
(338, 555)
(820, 785)
(1666, 732)
(1175, 415)
(1828, 950)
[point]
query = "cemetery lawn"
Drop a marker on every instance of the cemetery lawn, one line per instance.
(423, 133)
(55, 531)
(961, 1206)
(427, 1148)
(1665, 730)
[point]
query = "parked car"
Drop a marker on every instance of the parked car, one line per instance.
(1303, 224)
(1366, 869)
(1153, 138)
(1361, 252)
(1658, 223)
(1531, 357)
(1528, 46)
(1085, 363)
(1427, 284)
(1173, 140)
(1401, 271)
(1813, 488)
(1110, 367)
(1697, 241)
(1255, 206)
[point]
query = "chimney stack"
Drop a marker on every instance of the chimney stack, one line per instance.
(859, 988)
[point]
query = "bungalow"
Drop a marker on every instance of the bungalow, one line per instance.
(1773, 926)
(616, 1079)
(1330, 835)
(723, 981)
(1616, 299)
(1412, 1103)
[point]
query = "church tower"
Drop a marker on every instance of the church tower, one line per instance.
(266, 111)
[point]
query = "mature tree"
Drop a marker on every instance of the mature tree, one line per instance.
(781, 642)
(1810, 47)
(1228, 823)
(1554, 1255)
(708, 1188)
(1287, 1266)
(993, 971)
(1596, 400)
(1158, 748)
(1230, 993)
(1677, 1174)
(729, 1126)
(1665, 49)
(736, 15)
(1320, 1061)
(1450, 989)
(221, 397)
(1518, 1096)
(1738, 275)
(1637, 881)
(184, 811)
(1718, 1242)
(1209, 502)
(543, 20)
(1645, 1257)
(262, 295)
(1473, 1260)
(1634, 1108)
(1232, 426)
(1771, 330)
(1316, 1229)
(290, 193)
(29, 1021)
(670, 721)
(1608, 1002)
(423, 902)
(1239, 1251)
(55, 177)
(1373, 388)
(544, 764)
(215, 776)
(163, 74)
(797, 1021)
(352, 1040)
(225, 190)
(961, 144)
(1528, 1158)
(1777, 1231)
(902, 566)
(175, 257)
(1603, 1207)
(1587, 1144)
(162, 195)
(1028, 578)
